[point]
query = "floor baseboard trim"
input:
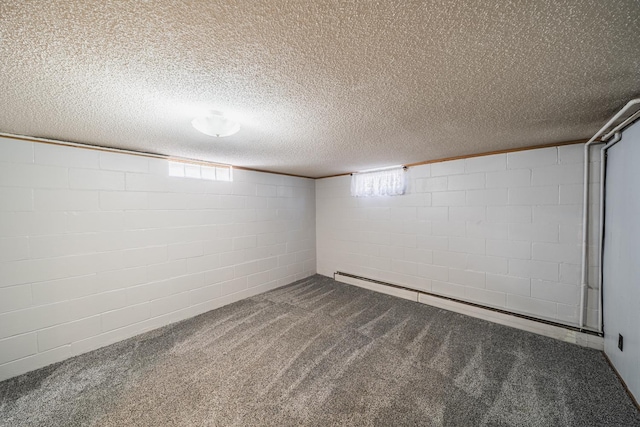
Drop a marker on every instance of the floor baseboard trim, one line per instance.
(544, 327)
(624, 384)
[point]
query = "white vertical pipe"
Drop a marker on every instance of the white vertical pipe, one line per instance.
(585, 205)
(603, 151)
(585, 229)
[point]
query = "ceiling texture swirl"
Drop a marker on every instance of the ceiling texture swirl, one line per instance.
(318, 87)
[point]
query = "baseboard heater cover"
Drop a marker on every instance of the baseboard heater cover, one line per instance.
(471, 304)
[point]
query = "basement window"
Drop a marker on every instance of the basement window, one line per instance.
(200, 171)
(379, 182)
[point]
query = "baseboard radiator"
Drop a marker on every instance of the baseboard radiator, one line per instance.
(419, 292)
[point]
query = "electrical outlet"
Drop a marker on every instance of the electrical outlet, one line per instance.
(620, 341)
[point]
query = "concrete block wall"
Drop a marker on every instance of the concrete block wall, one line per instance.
(96, 247)
(501, 230)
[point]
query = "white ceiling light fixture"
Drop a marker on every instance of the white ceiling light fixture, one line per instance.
(214, 123)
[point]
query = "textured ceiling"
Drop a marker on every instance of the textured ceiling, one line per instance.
(320, 88)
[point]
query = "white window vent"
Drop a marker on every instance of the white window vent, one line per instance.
(380, 182)
(201, 171)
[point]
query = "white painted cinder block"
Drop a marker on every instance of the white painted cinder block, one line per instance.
(15, 298)
(509, 179)
(572, 194)
(169, 304)
(570, 274)
(573, 153)
(467, 213)
(489, 197)
(84, 222)
(50, 338)
(476, 279)
(537, 232)
(532, 158)
(52, 291)
(16, 151)
(49, 246)
(467, 245)
(145, 256)
(96, 247)
(486, 297)
(13, 224)
(445, 228)
(14, 248)
(432, 213)
(466, 181)
(509, 214)
(554, 291)
(121, 200)
(566, 253)
(32, 175)
(433, 272)
(495, 162)
(548, 195)
(17, 347)
(488, 264)
(512, 243)
(448, 289)
(65, 200)
(508, 284)
(147, 182)
(571, 173)
(481, 229)
(448, 198)
(35, 361)
(526, 305)
(453, 167)
(562, 214)
(123, 162)
(450, 259)
(91, 179)
(32, 319)
(49, 154)
(509, 249)
(16, 199)
(434, 243)
(534, 269)
(126, 316)
(431, 184)
(185, 250)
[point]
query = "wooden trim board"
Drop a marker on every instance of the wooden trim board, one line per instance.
(195, 161)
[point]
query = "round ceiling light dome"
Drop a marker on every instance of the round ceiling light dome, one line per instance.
(214, 123)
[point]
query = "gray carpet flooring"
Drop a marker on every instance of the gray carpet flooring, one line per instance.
(321, 353)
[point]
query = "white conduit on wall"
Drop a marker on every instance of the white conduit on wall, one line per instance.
(585, 204)
(617, 137)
